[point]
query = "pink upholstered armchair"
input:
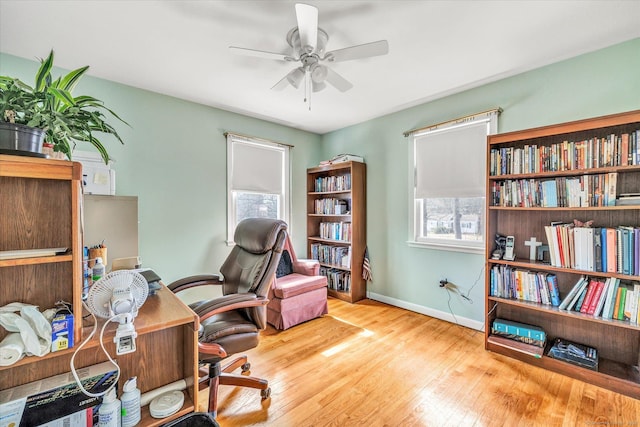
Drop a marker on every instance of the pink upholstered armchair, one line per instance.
(299, 292)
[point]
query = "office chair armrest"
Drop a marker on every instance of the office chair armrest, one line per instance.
(230, 302)
(208, 350)
(307, 267)
(197, 280)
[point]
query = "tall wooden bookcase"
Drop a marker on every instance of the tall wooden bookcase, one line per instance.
(40, 204)
(336, 226)
(617, 342)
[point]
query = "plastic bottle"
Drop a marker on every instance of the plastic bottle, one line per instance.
(109, 412)
(98, 270)
(130, 403)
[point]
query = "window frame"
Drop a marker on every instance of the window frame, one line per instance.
(416, 206)
(284, 208)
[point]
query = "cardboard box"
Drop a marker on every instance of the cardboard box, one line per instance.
(49, 399)
(62, 332)
(83, 418)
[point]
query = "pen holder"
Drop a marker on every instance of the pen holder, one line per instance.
(95, 253)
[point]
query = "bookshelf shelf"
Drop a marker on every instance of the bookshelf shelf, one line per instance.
(349, 181)
(540, 266)
(590, 208)
(603, 140)
(573, 314)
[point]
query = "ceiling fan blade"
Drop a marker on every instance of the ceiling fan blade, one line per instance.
(294, 77)
(366, 50)
(261, 54)
(337, 81)
(307, 16)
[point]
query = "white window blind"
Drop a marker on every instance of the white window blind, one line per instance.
(256, 167)
(450, 161)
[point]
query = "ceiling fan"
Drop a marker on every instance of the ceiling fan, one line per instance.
(308, 43)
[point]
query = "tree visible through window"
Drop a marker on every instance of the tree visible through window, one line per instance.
(448, 185)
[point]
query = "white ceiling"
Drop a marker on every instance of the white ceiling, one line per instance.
(180, 48)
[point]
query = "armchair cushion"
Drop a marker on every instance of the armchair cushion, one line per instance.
(296, 284)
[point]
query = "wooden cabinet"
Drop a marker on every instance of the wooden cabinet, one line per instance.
(41, 211)
(581, 151)
(336, 226)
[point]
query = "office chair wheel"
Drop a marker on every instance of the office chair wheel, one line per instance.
(246, 367)
(265, 393)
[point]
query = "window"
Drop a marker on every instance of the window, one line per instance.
(447, 185)
(257, 180)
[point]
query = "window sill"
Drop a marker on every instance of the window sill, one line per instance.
(447, 247)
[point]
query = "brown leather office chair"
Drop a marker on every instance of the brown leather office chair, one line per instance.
(231, 324)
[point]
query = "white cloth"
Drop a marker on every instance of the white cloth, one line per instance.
(31, 326)
(11, 349)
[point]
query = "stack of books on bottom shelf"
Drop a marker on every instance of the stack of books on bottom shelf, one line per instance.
(520, 337)
(574, 353)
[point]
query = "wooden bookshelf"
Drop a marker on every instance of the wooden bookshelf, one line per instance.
(353, 196)
(41, 209)
(617, 341)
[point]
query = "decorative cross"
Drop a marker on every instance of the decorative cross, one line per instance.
(533, 244)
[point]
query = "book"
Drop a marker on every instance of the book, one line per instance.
(603, 297)
(530, 349)
(552, 284)
(597, 249)
(581, 298)
(583, 306)
(603, 242)
(595, 300)
(611, 250)
(629, 303)
(510, 328)
(612, 291)
(579, 294)
(618, 310)
(572, 293)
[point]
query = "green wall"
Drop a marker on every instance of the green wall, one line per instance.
(174, 160)
(599, 83)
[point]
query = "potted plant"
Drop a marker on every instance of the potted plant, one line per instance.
(49, 110)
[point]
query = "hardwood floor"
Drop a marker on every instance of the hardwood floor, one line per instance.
(370, 364)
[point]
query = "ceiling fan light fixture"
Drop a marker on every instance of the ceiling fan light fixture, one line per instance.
(319, 73)
(317, 87)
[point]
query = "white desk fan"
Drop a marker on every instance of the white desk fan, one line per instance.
(118, 296)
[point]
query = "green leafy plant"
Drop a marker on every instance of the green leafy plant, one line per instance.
(50, 105)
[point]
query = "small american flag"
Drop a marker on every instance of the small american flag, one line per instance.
(366, 267)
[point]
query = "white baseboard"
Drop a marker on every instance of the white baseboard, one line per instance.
(442, 315)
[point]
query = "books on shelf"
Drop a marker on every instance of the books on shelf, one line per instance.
(334, 255)
(606, 249)
(335, 231)
(509, 282)
(522, 332)
(599, 151)
(338, 280)
(573, 192)
(331, 206)
(325, 184)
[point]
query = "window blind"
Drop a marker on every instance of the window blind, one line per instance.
(256, 166)
(450, 161)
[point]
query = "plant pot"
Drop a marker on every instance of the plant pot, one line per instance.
(21, 139)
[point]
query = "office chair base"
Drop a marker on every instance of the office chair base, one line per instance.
(222, 376)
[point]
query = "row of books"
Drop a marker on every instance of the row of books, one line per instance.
(583, 191)
(335, 255)
(531, 340)
(338, 280)
(524, 285)
(606, 298)
(335, 231)
(331, 206)
(612, 150)
(332, 183)
(604, 249)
